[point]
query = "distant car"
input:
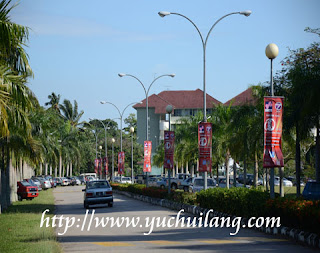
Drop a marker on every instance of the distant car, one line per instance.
(223, 183)
(34, 183)
(249, 180)
(152, 181)
(58, 180)
(97, 192)
(311, 191)
(196, 184)
(162, 183)
(45, 184)
(26, 191)
(286, 182)
(77, 180)
(65, 181)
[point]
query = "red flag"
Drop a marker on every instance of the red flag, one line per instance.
(205, 146)
(105, 165)
(121, 163)
(272, 154)
(96, 165)
(147, 156)
(168, 149)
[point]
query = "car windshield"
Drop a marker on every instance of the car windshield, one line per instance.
(198, 182)
(98, 184)
(210, 182)
(126, 178)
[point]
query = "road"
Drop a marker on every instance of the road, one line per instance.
(69, 203)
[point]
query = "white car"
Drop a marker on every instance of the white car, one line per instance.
(286, 182)
(123, 180)
(65, 181)
(195, 184)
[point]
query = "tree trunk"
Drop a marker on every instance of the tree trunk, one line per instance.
(40, 172)
(227, 169)
(70, 169)
(234, 173)
(46, 168)
(298, 159)
(245, 171)
(60, 165)
(50, 170)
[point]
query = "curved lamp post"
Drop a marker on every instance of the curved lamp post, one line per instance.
(132, 131)
(204, 45)
(146, 91)
(112, 177)
(169, 109)
(272, 52)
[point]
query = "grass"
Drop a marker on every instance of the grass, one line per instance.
(20, 226)
(289, 192)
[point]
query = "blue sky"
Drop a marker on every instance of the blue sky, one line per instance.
(77, 48)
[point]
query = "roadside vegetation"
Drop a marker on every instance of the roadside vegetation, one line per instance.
(20, 226)
(243, 202)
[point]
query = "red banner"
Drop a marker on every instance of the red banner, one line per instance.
(168, 149)
(205, 146)
(121, 163)
(273, 110)
(100, 165)
(96, 165)
(147, 156)
(105, 165)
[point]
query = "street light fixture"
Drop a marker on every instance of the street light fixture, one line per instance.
(146, 91)
(204, 45)
(132, 131)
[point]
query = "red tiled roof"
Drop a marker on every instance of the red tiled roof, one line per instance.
(244, 97)
(182, 99)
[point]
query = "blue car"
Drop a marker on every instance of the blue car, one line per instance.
(311, 191)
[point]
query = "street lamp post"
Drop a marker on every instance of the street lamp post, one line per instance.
(132, 131)
(169, 111)
(112, 177)
(146, 91)
(121, 115)
(272, 52)
(204, 45)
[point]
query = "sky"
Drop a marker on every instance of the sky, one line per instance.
(77, 48)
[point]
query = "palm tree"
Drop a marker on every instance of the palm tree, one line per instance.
(70, 113)
(54, 101)
(13, 39)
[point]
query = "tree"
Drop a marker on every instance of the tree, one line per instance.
(54, 101)
(70, 113)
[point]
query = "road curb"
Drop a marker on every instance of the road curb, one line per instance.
(299, 236)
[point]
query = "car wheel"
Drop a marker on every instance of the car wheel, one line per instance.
(161, 186)
(85, 205)
(173, 186)
(110, 204)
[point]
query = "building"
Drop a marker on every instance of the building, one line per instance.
(184, 102)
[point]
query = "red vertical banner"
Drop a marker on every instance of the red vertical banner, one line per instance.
(121, 163)
(99, 166)
(168, 149)
(147, 156)
(205, 146)
(272, 153)
(105, 165)
(96, 166)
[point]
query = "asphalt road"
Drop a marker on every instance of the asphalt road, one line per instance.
(77, 238)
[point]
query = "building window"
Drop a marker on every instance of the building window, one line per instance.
(177, 112)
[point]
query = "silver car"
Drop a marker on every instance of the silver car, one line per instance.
(97, 192)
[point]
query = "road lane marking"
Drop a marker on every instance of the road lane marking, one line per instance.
(163, 242)
(114, 244)
(216, 241)
(261, 239)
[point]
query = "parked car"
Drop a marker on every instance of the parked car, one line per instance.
(34, 183)
(249, 180)
(196, 184)
(58, 180)
(294, 181)
(286, 182)
(140, 179)
(153, 181)
(65, 181)
(223, 183)
(77, 180)
(97, 192)
(45, 184)
(162, 183)
(311, 191)
(26, 191)
(176, 181)
(82, 179)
